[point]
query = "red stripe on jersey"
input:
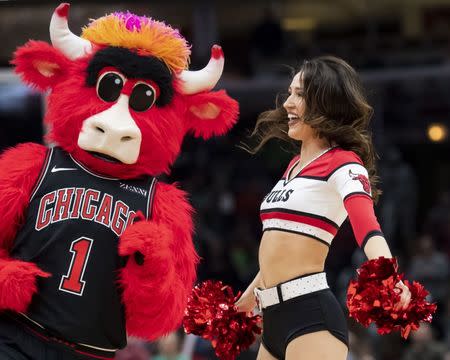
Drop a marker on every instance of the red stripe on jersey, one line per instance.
(38, 334)
(94, 356)
(301, 219)
(327, 163)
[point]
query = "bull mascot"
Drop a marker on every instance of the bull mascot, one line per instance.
(92, 246)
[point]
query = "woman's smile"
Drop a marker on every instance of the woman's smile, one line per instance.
(293, 120)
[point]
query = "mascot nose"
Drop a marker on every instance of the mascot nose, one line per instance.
(112, 132)
(115, 125)
(122, 135)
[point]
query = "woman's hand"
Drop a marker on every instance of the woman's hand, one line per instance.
(405, 295)
(246, 303)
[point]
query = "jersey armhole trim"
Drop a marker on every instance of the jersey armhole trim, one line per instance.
(42, 174)
(85, 169)
(151, 196)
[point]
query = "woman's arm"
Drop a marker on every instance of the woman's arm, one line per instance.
(351, 181)
(247, 301)
(377, 246)
(360, 209)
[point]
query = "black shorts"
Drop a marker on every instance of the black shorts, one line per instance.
(19, 341)
(302, 315)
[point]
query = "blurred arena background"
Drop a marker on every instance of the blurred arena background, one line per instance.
(401, 48)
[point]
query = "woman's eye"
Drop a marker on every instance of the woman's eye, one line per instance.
(142, 97)
(109, 86)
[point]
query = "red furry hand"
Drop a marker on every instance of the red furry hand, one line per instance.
(149, 243)
(154, 292)
(18, 283)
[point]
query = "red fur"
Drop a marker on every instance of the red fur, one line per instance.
(222, 123)
(155, 293)
(17, 180)
(28, 57)
(18, 283)
(163, 128)
(162, 131)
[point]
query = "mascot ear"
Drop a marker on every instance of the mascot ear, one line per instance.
(211, 113)
(39, 64)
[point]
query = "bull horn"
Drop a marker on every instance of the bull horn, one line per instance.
(193, 82)
(63, 39)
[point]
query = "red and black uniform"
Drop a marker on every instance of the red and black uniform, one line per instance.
(315, 203)
(72, 227)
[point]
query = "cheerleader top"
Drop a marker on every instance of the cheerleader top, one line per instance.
(316, 202)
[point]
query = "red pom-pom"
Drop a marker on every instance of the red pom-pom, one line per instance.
(372, 298)
(211, 314)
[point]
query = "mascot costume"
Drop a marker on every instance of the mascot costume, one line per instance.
(92, 246)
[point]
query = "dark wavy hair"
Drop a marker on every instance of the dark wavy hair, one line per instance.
(336, 107)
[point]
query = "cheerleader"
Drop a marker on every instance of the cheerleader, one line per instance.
(332, 177)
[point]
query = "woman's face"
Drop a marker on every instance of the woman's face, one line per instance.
(295, 107)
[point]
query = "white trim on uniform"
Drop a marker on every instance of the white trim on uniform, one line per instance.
(299, 228)
(150, 196)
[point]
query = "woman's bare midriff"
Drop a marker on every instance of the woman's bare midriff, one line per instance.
(284, 256)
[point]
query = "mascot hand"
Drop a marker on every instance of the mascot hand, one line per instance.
(148, 244)
(18, 283)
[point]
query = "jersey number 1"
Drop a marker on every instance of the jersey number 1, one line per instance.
(73, 282)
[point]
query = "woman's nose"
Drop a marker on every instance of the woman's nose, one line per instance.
(287, 103)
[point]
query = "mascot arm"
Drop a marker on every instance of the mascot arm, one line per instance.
(19, 170)
(161, 268)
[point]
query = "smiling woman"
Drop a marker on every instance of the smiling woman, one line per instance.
(333, 177)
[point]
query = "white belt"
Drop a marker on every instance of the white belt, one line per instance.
(290, 289)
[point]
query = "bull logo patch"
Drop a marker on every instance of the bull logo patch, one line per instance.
(362, 179)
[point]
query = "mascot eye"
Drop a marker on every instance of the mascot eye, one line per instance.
(142, 97)
(109, 86)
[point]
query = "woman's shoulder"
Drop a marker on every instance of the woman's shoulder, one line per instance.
(336, 159)
(339, 156)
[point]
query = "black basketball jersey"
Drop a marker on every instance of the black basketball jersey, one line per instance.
(72, 227)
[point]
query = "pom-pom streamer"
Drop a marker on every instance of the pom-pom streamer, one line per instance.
(373, 296)
(211, 314)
